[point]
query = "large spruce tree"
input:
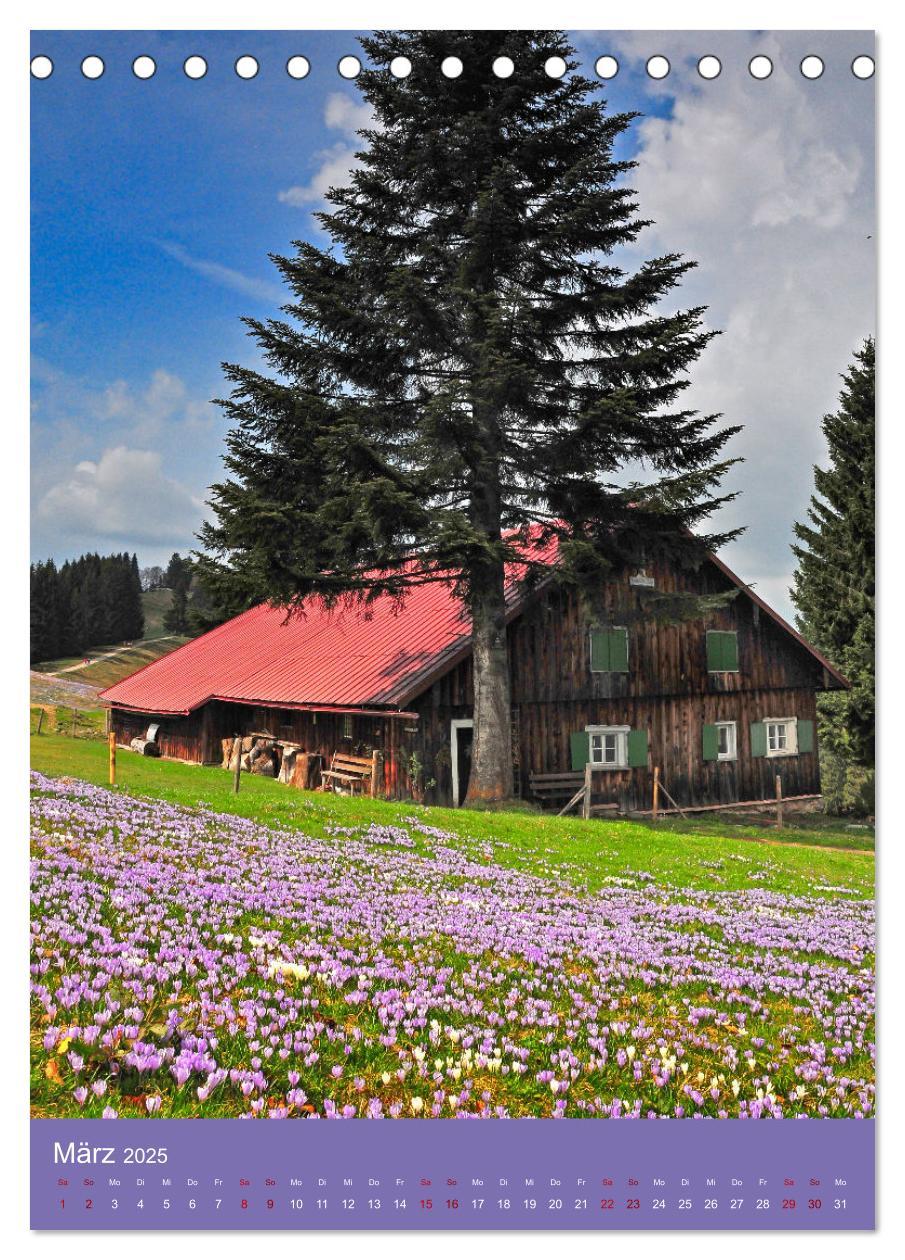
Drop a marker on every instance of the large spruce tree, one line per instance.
(834, 582)
(467, 361)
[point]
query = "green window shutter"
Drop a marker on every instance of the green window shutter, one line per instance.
(619, 651)
(609, 651)
(711, 743)
(580, 748)
(722, 651)
(637, 749)
(805, 736)
(600, 651)
(758, 739)
(730, 650)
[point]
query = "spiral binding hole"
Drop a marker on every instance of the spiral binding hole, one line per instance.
(298, 67)
(195, 67)
(92, 67)
(350, 67)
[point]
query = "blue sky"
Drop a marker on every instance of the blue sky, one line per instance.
(155, 204)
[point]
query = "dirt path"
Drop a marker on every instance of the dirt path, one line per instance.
(105, 656)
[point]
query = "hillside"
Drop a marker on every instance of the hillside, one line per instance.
(419, 962)
(105, 666)
(156, 604)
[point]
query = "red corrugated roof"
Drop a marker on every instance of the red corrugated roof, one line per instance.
(379, 657)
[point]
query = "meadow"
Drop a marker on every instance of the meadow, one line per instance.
(284, 954)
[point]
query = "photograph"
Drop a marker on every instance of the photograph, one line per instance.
(452, 577)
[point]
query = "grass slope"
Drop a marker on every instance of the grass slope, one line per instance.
(50, 690)
(694, 854)
(156, 604)
(110, 664)
(358, 958)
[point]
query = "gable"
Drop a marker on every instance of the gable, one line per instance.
(382, 656)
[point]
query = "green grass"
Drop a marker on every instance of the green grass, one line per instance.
(156, 605)
(67, 722)
(710, 855)
(105, 670)
(817, 829)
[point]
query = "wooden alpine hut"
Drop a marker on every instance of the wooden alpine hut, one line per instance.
(719, 705)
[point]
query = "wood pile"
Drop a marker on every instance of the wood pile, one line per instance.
(288, 763)
(258, 756)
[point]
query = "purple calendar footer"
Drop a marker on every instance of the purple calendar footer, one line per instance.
(449, 1174)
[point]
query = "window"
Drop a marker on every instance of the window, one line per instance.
(719, 741)
(347, 726)
(782, 737)
(726, 741)
(609, 746)
(609, 650)
(722, 652)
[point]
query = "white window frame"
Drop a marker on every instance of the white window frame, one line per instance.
(791, 725)
(621, 733)
(732, 728)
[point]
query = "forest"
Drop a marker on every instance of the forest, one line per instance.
(85, 602)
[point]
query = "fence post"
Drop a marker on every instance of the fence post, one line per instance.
(586, 802)
(656, 792)
(779, 802)
(111, 743)
(237, 753)
(40, 719)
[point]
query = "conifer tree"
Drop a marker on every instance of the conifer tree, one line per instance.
(467, 363)
(834, 582)
(179, 580)
(45, 611)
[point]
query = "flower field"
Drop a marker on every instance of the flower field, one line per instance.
(193, 963)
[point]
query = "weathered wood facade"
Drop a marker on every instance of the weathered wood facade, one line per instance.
(666, 691)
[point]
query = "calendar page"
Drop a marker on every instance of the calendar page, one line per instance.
(452, 630)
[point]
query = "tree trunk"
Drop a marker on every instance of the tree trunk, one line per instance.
(491, 754)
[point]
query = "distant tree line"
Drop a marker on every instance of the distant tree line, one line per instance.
(153, 578)
(192, 610)
(92, 600)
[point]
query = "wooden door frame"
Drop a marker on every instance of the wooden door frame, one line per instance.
(455, 726)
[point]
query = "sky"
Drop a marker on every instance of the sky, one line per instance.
(155, 205)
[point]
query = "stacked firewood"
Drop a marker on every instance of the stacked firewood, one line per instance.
(286, 762)
(258, 756)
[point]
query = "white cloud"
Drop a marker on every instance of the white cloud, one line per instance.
(348, 116)
(123, 496)
(346, 113)
(769, 187)
(118, 456)
(228, 277)
(144, 412)
(336, 164)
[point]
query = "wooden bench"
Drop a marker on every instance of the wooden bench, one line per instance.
(570, 786)
(351, 772)
(548, 788)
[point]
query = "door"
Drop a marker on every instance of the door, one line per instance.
(461, 739)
